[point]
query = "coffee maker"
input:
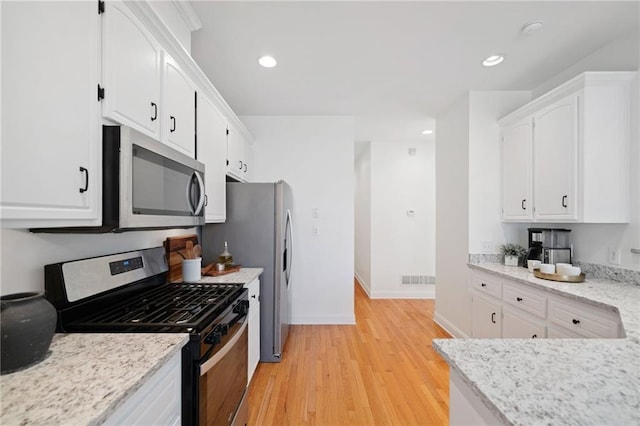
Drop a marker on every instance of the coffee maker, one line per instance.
(549, 245)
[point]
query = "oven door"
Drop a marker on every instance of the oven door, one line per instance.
(223, 374)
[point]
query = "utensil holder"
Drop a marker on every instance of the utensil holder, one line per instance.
(191, 269)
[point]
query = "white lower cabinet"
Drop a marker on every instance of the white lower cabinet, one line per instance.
(254, 327)
(487, 317)
(526, 312)
(157, 402)
(516, 325)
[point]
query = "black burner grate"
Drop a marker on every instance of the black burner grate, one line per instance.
(172, 307)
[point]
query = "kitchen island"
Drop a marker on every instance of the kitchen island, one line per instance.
(86, 379)
(550, 381)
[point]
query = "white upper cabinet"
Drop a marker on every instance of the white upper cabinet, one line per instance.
(239, 156)
(580, 140)
(131, 71)
(517, 161)
(178, 108)
(555, 156)
(51, 137)
(212, 151)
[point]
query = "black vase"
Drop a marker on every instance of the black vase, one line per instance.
(28, 322)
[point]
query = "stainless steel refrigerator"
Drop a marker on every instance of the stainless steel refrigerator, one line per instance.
(258, 230)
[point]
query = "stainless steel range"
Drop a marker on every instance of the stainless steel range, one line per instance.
(128, 292)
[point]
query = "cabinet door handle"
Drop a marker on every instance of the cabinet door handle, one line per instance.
(86, 180)
(493, 317)
(253, 296)
(483, 285)
(519, 299)
(245, 167)
(154, 117)
(575, 321)
(522, 204)
(564, 201)
(173, 120)
(535, 336)
(240, 164)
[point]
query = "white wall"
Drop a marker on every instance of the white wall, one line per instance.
(315, 155)
(402, 244)
(485, 226)
(362, 198)
(24, 254)
(452, 219)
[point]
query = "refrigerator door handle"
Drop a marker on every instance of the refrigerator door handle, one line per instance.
(288, 247)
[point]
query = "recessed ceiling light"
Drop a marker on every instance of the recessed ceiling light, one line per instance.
(267, 61)
(531, 27)
(493, 60)
(427, 132)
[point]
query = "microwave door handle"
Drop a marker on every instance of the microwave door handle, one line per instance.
(202, 194)
(195, 210)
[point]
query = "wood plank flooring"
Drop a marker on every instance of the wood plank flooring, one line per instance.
(381, 371)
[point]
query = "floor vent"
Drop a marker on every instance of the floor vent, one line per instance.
(418, 279)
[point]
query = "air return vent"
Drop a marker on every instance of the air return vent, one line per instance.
(418, 279)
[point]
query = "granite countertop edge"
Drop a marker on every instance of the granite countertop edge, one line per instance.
(630, 344)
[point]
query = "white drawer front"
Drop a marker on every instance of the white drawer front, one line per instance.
(254, 294)
(535, 304)
(486, 284)
(581, 320)
(516, 326)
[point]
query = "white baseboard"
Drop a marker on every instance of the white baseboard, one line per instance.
(363, 284)
(324, 320)
(449, 327)
(421, 292)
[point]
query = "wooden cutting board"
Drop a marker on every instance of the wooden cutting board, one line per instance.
(172, 245)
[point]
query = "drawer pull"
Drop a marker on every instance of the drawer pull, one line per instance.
(519, 299)
(483, 285)
(535, 336)
(575, 321)
(253, 296)
(493, 317)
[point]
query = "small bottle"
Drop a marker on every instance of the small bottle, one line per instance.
(225, 257)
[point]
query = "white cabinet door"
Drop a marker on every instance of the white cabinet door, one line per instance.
(487, 317)
(239, 155)
(131, 71)
(516, 325)
(212, 151)
(555, 156)
(517, 189)
(157, 402)
(51, 135)
(178, 109)
(254, 327)
(235, 155)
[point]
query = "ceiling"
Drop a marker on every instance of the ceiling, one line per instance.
(393, 66)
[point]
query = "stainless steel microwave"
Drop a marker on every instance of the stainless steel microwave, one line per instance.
(145, 185)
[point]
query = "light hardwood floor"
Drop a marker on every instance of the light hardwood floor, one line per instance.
(381, 371)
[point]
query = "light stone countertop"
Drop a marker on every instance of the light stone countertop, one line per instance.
(85, 377)
(557, 381)
(244, 276)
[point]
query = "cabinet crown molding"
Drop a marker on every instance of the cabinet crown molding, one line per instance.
(188, 14)
(586, 79)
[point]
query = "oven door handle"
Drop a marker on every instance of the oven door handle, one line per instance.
(208, 365)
